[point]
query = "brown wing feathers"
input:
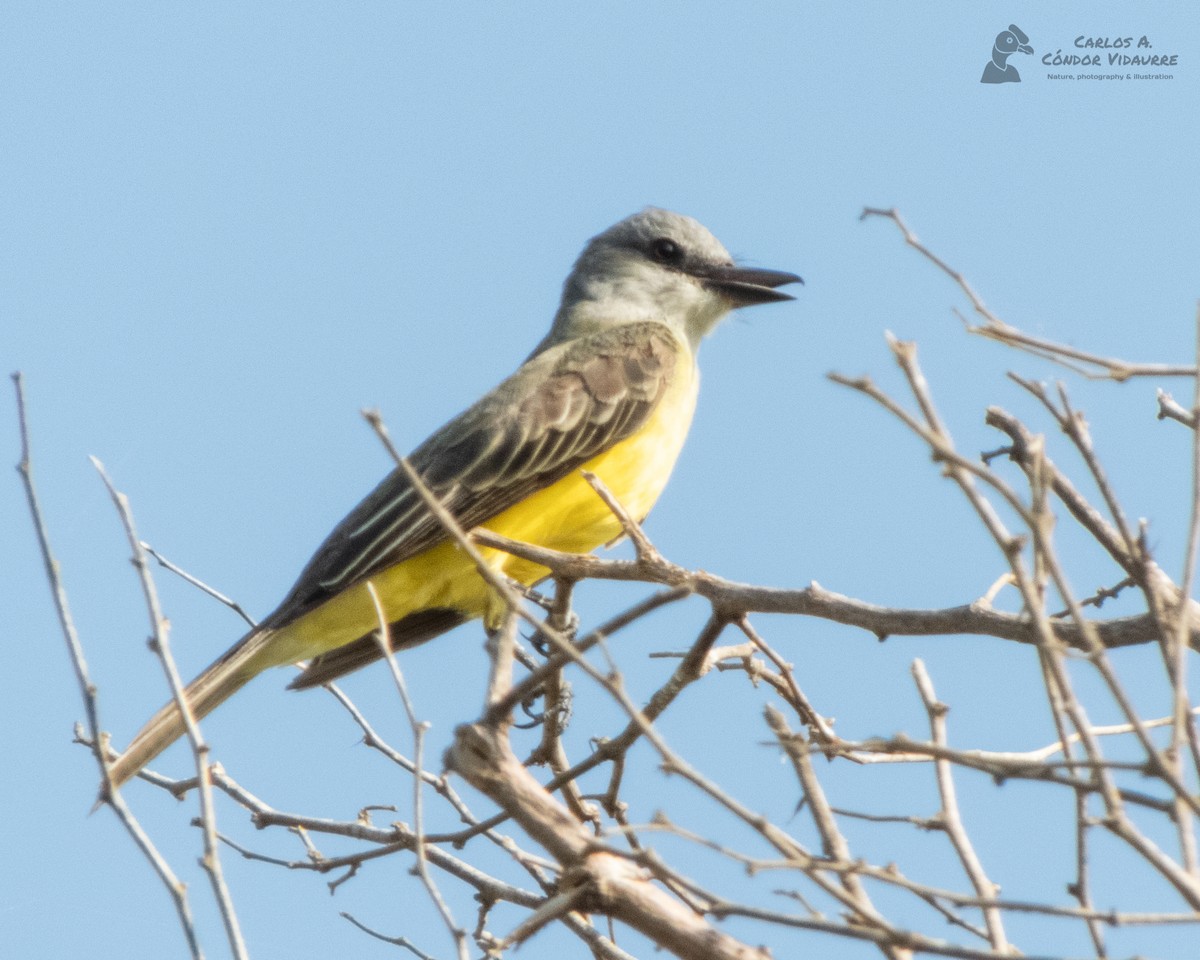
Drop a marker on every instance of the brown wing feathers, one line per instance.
(526, 434)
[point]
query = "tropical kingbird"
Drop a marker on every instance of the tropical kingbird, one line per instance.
(611, 390)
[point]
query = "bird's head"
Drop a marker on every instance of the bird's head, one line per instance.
(663, 266)
(1012, 40)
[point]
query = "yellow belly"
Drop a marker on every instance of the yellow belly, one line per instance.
(566, 516)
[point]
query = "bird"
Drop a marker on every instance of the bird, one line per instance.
(611, 390)
(998, 69)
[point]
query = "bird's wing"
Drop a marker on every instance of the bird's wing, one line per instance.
(565, 406)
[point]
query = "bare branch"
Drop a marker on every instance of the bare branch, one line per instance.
(976, 618)
(951, 819)
(611, 884)
(97, 742)
(1090, 365)
(1168, 409)
(383, 636)
(160, 644)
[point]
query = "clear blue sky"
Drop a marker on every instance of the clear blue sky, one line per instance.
(229, 227)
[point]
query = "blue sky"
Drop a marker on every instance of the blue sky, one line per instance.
(230, 227)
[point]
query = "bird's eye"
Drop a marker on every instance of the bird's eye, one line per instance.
(666, 250)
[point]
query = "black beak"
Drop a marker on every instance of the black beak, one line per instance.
(746, 286)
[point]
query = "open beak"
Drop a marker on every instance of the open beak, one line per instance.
(746, 286)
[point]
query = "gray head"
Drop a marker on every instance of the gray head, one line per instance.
(663, 266)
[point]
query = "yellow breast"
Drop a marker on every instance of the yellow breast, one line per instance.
(568, 516)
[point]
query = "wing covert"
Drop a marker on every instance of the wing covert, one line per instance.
(564, 407)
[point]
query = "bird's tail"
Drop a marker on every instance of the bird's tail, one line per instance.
(228, 674)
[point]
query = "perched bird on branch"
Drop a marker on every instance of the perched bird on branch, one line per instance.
(611, 390)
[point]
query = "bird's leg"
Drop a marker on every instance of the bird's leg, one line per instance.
(563, 620)
(560, 617)
(557, 698)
